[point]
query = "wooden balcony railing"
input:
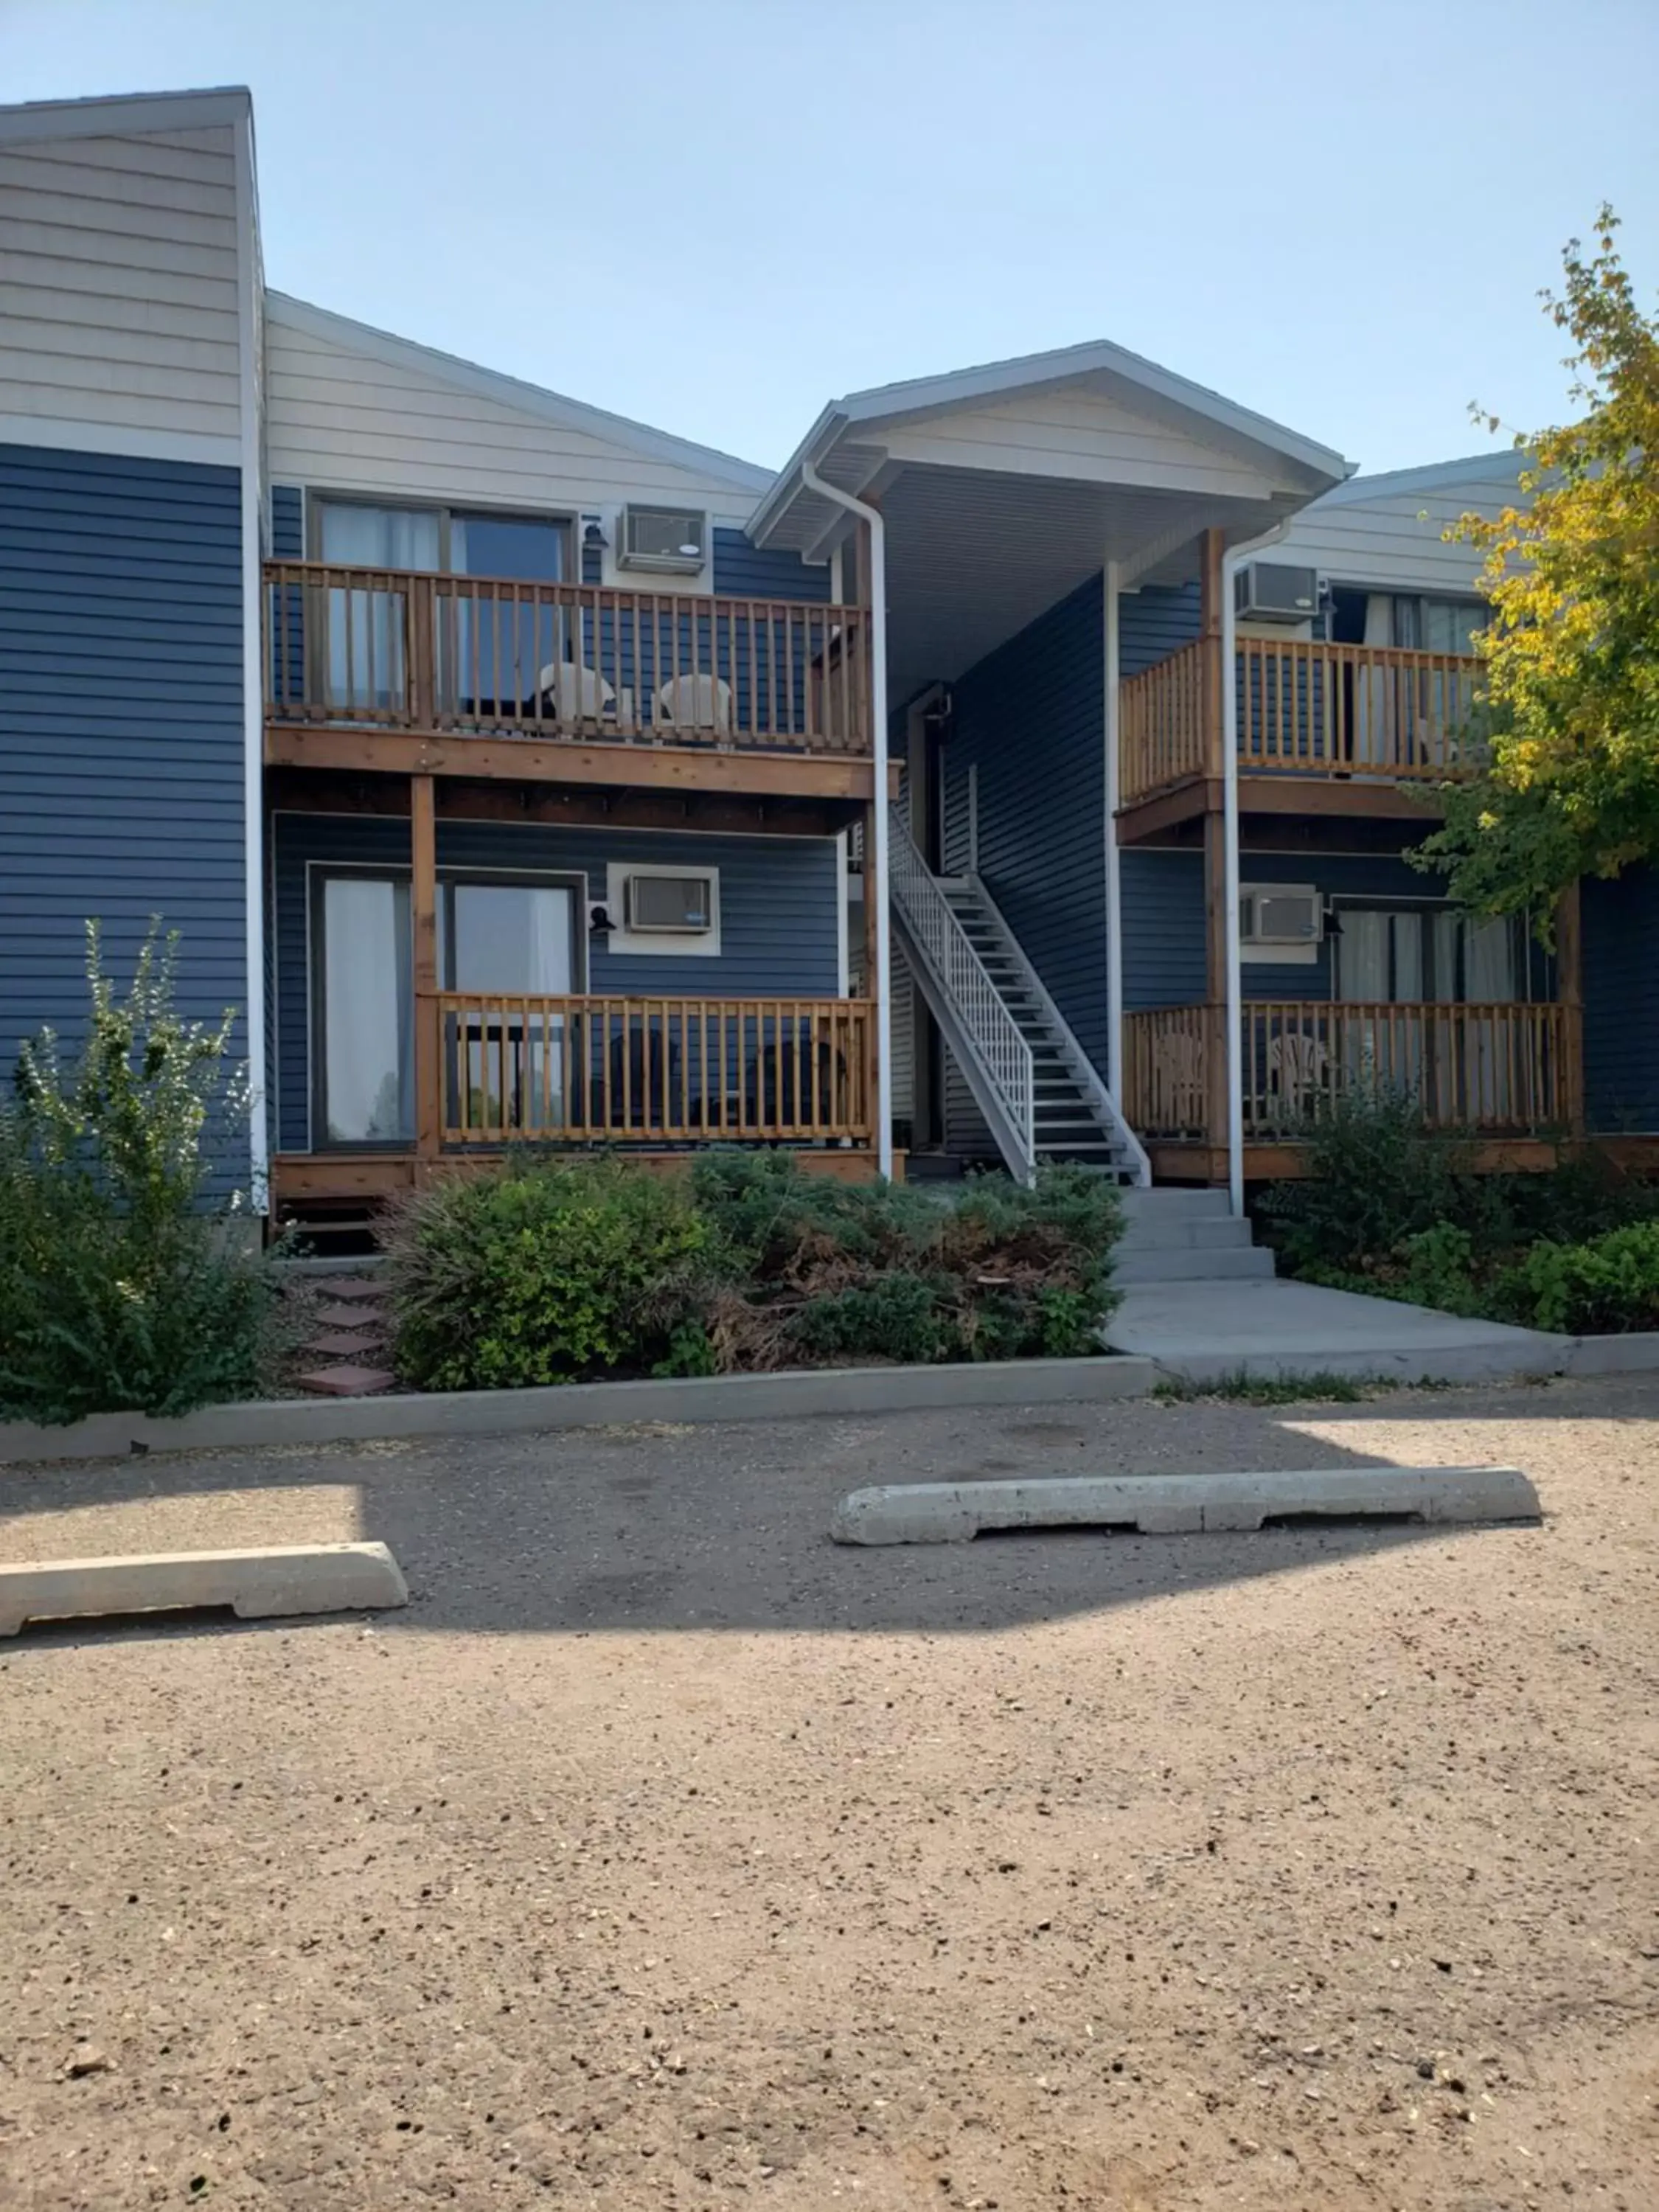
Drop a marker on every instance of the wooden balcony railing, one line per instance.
(654, 1070)
(1491, 1069)
(393, 650)
(1304, 708)
(1310, 709)
(1163, 715)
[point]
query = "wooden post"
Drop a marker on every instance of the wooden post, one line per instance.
(1215, 973)
(1570, 993)
(423, 901)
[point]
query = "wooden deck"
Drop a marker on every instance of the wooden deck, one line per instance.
(400, 672)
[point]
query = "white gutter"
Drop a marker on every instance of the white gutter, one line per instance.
(1230, 853)
(875, 871)
(1114, 897)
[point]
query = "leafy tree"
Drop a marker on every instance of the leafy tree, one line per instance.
(1570, 780)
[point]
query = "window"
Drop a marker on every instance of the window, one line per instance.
(664, 909)
(507, 940)
(1430, 625)
(489, 651)
(670, 539)
(1426, 954)
(363, 1009)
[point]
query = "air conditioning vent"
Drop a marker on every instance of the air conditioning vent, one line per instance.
(1269, 591)
(671, 541)
(1280, 915)
(682, 905)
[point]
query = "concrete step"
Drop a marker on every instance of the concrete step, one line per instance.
(1202, 1233)
(1250, 1263)
(1168, 1201)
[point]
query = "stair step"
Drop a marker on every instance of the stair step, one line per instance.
(1196, 1233)
(1250, 1264)
(1168, 1201)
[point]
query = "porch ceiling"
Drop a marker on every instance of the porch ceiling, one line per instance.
(973, 555)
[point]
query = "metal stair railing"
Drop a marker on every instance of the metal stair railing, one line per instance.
(995, 1056)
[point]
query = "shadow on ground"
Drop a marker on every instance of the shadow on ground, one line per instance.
(657, 1528)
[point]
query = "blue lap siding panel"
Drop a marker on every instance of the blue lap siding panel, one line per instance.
(1153, 624)
(779, 930)
(1161, 897)
(121, 738)
(1621, 1003)
(743, 570)
(1031, 718)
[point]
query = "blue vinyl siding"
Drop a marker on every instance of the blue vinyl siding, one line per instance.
(1162, 896)
(288, 536)
(779, 934)
(1031, 719)
(1621, 1003)
(743, 570)
(121, 738)
(1161, 909)
(1153, 624)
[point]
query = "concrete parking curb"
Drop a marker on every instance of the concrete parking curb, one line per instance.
(278, 1579)
(829, 1390)
(1181, 1504)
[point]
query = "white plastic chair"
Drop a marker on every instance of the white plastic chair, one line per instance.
(1297, 1066)
(578, 693)
(696, 703)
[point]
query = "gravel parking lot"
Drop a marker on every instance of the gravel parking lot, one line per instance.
(663, 1855)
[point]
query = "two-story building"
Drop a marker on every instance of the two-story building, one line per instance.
(1023, 772)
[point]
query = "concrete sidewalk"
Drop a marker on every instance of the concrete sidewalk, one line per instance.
(1206, 1332)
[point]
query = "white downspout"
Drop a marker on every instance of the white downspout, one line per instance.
(1230, 857)
(1114, 897)
(875, 875)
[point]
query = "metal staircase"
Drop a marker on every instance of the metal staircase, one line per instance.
(1036, 1088)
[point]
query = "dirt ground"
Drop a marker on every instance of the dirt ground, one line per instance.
(663, 1855)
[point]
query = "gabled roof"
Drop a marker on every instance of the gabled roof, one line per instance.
(1503, 466)
(1099, 363)
(514, 392)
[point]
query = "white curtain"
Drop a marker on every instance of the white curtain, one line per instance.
(365, 628)
(1362, 958)
(367, 1010)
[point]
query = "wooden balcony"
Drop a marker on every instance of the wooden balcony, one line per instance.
(367, 667)
(1501, 1070)
(653, 1072)
(1359, 713)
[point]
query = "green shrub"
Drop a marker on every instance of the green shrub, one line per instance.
(1606, 1287)
(123, 1287)
(548, 1274)
(818, 1270)
(1379, 1180)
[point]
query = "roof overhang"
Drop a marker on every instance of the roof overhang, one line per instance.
(858, 442)
(125, 115)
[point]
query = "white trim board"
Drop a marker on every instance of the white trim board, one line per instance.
(125, 115)
(61, 433)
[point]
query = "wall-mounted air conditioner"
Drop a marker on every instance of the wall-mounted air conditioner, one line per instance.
(670, 541)
(1270, 590)
(1280, 921)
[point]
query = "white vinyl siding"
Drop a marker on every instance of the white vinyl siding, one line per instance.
(342, 419)
(1080, 434)
(120, 259)
(1394, 540)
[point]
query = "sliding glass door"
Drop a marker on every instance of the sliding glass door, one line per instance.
(363, 1010)
(501, 941)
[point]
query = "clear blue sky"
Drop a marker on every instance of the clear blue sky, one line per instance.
(715, 215)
